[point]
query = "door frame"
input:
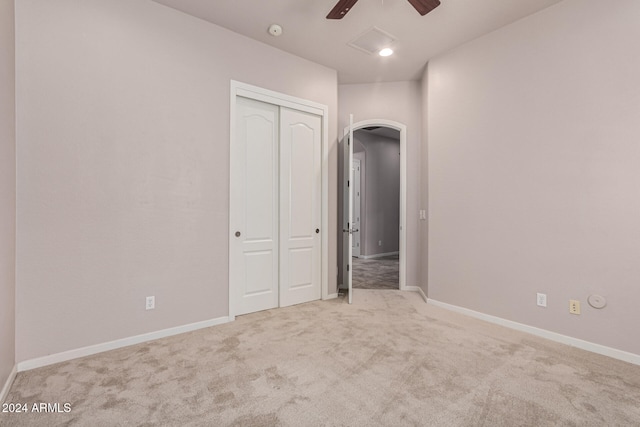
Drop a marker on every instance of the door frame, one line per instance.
(283, 100)
(403, 187)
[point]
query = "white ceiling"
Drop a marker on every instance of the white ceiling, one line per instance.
(308, 34)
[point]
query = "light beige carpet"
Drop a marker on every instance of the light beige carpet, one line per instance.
(388, 360)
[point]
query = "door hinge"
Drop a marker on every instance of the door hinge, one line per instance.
(347, 267)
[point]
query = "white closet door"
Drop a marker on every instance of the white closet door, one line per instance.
(300, 209)
(254, 251)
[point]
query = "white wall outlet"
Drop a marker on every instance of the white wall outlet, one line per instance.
(379, 242)
(574, 306)
(150, 303)
(542, 300)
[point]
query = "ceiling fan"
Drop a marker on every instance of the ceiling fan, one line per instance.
(343, 6)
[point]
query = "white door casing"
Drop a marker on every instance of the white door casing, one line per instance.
(403, 189)
(264, 184)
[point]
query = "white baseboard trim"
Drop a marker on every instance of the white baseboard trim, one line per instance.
(112, 345)
(417, 289)
(379, 255)
(8, 384)
(553, 336)
(331, 296)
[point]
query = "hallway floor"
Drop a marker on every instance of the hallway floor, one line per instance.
(376, 273)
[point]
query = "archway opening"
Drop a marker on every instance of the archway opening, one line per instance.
(372, 247)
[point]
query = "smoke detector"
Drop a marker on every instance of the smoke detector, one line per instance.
(275, 30)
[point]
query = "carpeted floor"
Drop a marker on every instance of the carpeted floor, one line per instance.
(387, 360)
(376, 273)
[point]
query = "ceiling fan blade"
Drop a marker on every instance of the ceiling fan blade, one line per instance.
(424, 6)
(341, 8)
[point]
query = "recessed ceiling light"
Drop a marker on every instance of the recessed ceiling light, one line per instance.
(386, 52)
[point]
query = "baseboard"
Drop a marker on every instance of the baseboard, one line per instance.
(417, 289)
(112, 345)
(331, 296)
(379, 255)
(8, 384)
(553, 336)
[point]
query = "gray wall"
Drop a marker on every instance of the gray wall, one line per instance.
(534, 184)
(7, 191)
(123, 170)
(380, 183)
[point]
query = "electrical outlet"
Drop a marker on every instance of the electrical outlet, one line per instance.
(150, 303)
(574, 306)
(379, 242)
(542, 300)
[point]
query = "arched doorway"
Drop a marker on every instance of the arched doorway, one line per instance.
(382, 125)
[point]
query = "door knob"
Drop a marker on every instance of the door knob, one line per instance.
(317, 230)
(237, 234)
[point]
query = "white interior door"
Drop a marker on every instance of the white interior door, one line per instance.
(356, 208)
(347, 220)
(300, 206)
(254, 248)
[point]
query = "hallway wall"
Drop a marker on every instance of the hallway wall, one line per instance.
(380, 184)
